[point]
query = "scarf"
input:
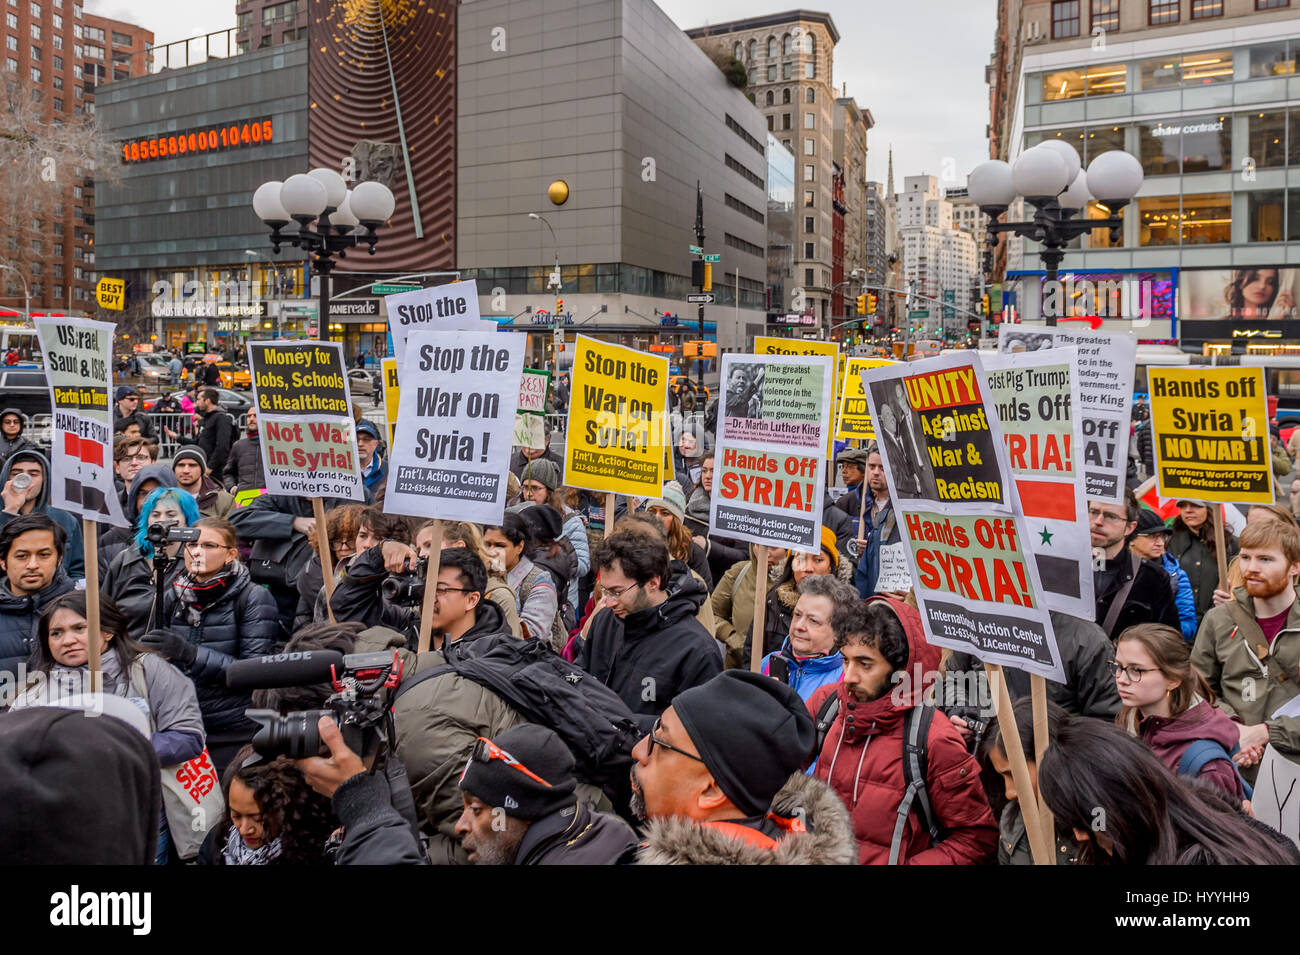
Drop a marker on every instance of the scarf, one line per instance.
(236, 853)
(196, 597)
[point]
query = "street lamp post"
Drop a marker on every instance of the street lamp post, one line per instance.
(27, 295)
(1050, 178)
(322, 196)
(553, 283)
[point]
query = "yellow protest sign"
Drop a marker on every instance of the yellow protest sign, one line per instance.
(392, 395)
(111, 293)
(767, 345)
(617, 430)
(853, 419)
(1211, 434)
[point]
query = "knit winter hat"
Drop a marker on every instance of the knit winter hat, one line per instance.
(674, 500)
(495, 772)
(542, 471)
(194, 453)
(751, 731)
(829, 544)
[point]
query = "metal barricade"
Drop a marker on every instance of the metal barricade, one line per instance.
(174, 428)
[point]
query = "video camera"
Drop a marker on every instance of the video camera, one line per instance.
(362, 715)
(159, 534)
(406, 589)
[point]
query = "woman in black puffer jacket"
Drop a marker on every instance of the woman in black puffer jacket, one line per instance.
(216, 615)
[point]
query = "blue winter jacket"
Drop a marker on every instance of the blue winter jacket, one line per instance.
(808, 675)
(1184, 600)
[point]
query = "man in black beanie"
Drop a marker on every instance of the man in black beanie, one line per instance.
(521, 809)
(718, 780)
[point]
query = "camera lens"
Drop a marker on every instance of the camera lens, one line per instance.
(294, 735)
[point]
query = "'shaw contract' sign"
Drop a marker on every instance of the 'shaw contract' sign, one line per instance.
(308, 440)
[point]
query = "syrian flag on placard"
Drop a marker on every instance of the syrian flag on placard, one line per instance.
(84, 450)
(1167, 507)
(90, 453)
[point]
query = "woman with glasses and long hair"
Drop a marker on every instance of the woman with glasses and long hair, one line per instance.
(213, 616)
(1124, 807)
(1170, 707)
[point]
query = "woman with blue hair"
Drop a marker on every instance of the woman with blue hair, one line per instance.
(129, 579)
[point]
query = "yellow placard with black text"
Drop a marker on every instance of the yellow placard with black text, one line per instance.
(853, 420)
(617, 430)
(392, 395)
(1211, 434)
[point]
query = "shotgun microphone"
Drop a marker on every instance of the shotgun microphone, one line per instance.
(302, 668)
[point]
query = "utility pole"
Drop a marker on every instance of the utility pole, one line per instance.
(699, 241)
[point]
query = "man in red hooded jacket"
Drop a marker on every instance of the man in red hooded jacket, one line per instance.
(886, 660)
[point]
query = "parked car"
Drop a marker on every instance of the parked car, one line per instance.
(361, 382)
(232, 401)
(25, 389)
(234, 376)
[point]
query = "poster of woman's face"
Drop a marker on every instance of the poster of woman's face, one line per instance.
(1247, 294)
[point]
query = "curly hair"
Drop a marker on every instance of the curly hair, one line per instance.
(875, 625)
(291, 810)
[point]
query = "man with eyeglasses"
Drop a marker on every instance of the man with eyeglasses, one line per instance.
(127, 411)
(129, 456)
(718, 781)
(520, 806)
(1129, 590)
(645, 643)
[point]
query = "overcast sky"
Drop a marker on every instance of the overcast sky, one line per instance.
(917, 65)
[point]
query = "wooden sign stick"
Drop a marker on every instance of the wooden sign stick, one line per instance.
(1038, 693)
(430, 589)
(1019, 768)
(1220, 548)
(326, 555)
(90, 554)
(609, 513)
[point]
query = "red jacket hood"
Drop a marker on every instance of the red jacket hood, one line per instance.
(1170, 734)
(909, 688)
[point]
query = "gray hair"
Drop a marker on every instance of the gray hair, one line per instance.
(840, 594)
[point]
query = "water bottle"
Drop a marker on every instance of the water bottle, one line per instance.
(22, 482)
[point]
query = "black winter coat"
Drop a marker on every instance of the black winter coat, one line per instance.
(1201, 565)
(129, 581)
(243, 468)
(216, 436)
(18, 617)
(1150, 600)
(576, 835)
(239, 625)
(664, 645)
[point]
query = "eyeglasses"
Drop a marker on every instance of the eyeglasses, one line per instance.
(1095, 513)
(618, 592)
(142, 458)
(1132, 674)
(656, 739)
(485, 751)
(442, 590)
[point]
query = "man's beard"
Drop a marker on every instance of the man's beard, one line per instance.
(637, 802)
(1264, 588)
(500, 850)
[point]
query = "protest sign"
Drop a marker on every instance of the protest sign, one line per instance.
(1210, 427)
(309, 443)
(950, 481)
(1036, 394)
(392, 396)
(1276, 800)
(452, 451)
(895, 575)
(530, 419)
(767, 345)
(1105, 372)
(450, 307)
(618, 426)
(774, 417)
(852, 420)
(78, 359)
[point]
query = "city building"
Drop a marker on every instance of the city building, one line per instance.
(1205, 94)
(939, 262)
(263, 23)
(48, 197)
(780, 229)
(851, 124)
(789, 58)
(114, 50)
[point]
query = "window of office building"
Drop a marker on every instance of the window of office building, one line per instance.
(787, 45)
(12, 43)
(785, 96)
(1266, 138)
(810, 223)
(809, 198)
(1207, 219)
(1204, 9)
(771, 46)
(809, 147)
(1100, 238)
(1265, 214)
(1158, 147)
(810, 248)
(809, 120)
(36, 32)
(1158, 220)
(1193, 69)
(771, 123)
(1274, 59)
(810, 95)
(787, 71)
(1207, 143)
(1102, 139)
(785, 120)
(1162, 11)
(1271, 4)
(809, 172)
(1065, 18)
(1073, 135)
(771, 73)
(809, 70)
(1097, 80)
(1105, 14)
(1293, 215)
(752, 49)
(770, 100)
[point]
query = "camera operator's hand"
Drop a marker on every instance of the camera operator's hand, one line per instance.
(305, 525)
(398, 557)
(172, 646)
(327, 775)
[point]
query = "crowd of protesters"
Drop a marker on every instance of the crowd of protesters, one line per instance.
(640, 622)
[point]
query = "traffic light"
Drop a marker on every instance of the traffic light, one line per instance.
(871, 303)
(984, 305)
(559, 306)
(708, 278)
(702, 275)
(862, 305)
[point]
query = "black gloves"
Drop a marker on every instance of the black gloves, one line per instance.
(175, 648)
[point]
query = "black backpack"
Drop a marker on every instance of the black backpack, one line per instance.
(916, 733)
(592, 719)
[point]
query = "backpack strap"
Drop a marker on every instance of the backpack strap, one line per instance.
(916, 733)
(825, 718)
(419, 678)
(1121, 596)
(1201, 753)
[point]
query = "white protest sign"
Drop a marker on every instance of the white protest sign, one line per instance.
(895, 574)
(455, 425)
(1037, 397)
(1276, 799)
(1106, 368)
(78, 359)
(530, 431)
(449, 307)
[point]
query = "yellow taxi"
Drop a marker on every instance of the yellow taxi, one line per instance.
(233, 377)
